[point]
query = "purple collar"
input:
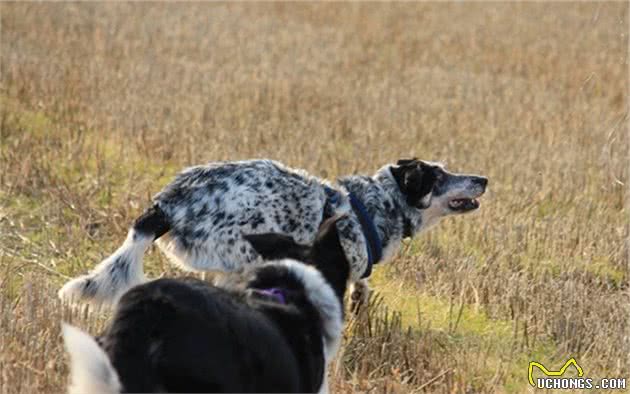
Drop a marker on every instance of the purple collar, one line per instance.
(274, 292)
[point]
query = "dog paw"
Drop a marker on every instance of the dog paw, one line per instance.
(359, 295)
(74, 290)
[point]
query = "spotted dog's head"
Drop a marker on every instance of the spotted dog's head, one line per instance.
(435, 192)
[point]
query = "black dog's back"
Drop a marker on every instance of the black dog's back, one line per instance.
(187, 336)
(272, 328)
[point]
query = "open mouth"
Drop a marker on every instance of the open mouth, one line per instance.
(463, 204)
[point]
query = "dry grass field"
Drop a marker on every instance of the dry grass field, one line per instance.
(102, 103)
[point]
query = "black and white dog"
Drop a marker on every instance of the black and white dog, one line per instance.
(272, 328)
(199, 219)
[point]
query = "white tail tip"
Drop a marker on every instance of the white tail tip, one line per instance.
(90, 369)
(110, 279)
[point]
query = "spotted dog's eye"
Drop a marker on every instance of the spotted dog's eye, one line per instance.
(439, 176)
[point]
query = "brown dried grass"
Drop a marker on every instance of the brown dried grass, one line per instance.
(102, 103)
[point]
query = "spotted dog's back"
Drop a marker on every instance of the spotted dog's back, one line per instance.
(199, 220)
(210, 207)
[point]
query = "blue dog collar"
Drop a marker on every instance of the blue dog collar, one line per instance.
(373, 242)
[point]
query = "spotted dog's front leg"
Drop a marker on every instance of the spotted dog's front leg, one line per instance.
(359, 295)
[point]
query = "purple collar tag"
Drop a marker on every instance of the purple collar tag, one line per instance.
(274, 292)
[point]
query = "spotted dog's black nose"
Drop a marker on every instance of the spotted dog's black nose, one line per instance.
(481, 181)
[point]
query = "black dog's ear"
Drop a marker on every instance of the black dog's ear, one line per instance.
(327, 231)
(329, 256)
(274, 246)
(416, 180)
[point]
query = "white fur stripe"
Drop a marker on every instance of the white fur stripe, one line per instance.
(322, 296)
(90, 369)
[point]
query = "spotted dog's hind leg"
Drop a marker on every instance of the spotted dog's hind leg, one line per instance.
(359, 295)
(123, 269)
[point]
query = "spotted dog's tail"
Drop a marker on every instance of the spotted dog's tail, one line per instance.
(91, 371)
(108, 281)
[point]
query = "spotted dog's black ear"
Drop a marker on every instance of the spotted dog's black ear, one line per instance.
(406, 162)
(416, 180)
(274, 246)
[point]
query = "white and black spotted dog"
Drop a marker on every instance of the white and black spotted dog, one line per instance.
(199, 219)
(271, 328)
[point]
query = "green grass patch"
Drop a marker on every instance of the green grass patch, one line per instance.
(603, 269)
(420, 309)
(33, 123)
(466, 329)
